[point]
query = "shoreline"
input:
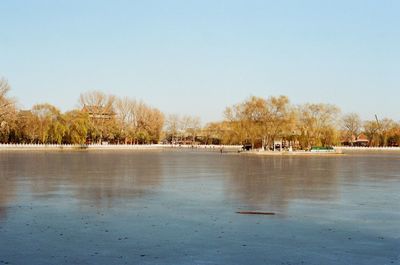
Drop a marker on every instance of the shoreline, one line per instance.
(294, 153)
(121, 147)
(339, 150)
(367, 150)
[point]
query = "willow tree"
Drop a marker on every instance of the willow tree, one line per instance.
(211, 131)
(246, 118)
(254, 116)
(51, 124)
(317, 124)
(220, 133)
(278, 119)
(261, 119)
(27, 126)
(77, 127)
(150, 124)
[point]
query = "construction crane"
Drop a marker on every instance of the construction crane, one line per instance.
(377, 122)
(379, 129)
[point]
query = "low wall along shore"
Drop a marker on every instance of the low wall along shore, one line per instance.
(226, 148)
(359, 149)
(116, 147)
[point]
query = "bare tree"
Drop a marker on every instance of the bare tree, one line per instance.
(371, 130)
(7, 105)
(385, 126)
(351, 123)
(138, 121)
(127, 116)
(173, 127)
(191, 125)
(100, 108)
(8, 112)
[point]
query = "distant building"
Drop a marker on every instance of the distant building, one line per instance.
(99, 112)
(360, 140)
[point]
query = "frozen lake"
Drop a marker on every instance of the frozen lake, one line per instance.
(179, 207)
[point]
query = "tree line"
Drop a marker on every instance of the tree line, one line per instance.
(256, 121)
(259, 122)
(99, 118)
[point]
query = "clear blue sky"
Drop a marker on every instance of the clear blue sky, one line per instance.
(197, 57)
